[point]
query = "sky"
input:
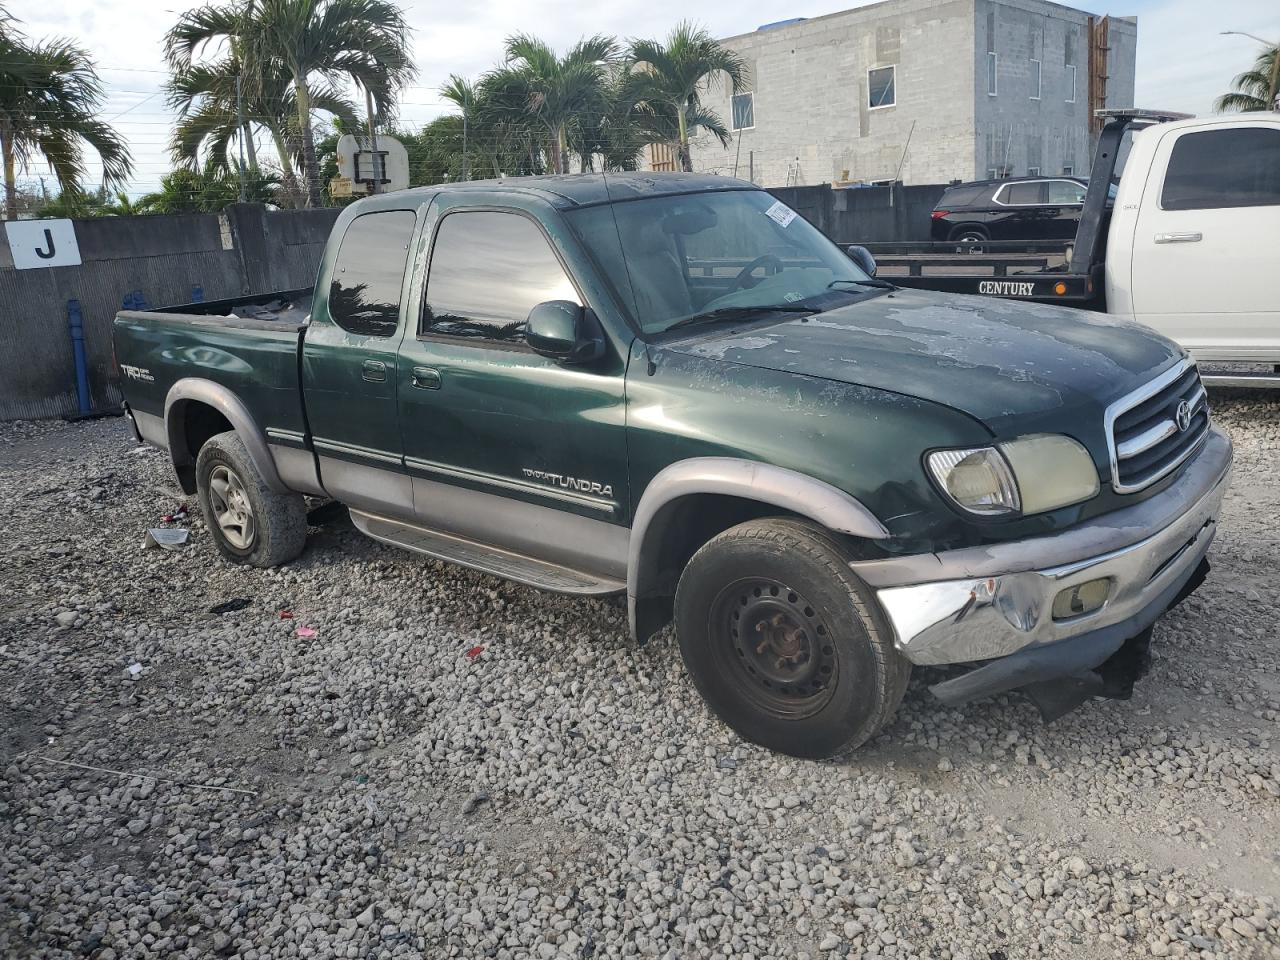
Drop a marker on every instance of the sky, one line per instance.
(1183, 60)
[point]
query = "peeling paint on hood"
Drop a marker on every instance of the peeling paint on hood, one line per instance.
(993, 359)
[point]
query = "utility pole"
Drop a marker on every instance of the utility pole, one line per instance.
(375, 183)
(466, 156)
(240, 121)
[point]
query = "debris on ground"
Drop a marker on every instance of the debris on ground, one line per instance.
(230, 606)
(166, 538)
(176, 516)
(474, 652)
(305, 632)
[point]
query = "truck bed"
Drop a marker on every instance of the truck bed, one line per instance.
(249, 344)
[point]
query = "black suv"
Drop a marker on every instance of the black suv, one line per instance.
(1019, 208)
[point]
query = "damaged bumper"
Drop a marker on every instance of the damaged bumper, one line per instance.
(1055, 606)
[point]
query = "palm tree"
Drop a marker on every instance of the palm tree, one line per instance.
(309, 42)
(664, 82)
(493, 139)
(1254, 89)
(209, 109)
(558, 93)
(50, 101)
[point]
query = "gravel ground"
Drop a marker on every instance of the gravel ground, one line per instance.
(454, 766)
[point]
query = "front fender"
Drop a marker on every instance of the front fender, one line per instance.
(744, 479)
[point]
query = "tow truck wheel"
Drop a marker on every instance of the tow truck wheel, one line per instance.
(250, 523)
(784, 643)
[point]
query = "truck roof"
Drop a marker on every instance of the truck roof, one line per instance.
(579, 189)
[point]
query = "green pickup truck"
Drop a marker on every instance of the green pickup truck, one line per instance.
(673, 386)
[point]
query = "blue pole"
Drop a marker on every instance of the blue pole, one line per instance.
(197, 294)
(75, 321)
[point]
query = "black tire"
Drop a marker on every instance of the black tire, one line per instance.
(250, 523)
(823, 677)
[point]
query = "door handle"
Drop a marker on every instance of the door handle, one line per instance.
(1179, 237)
(373, 370)
(426, 378)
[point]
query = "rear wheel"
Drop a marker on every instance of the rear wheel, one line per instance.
(784, 643)
(250, 523)
(970, 239)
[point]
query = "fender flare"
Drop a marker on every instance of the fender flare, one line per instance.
(199, 390)
(735, 477)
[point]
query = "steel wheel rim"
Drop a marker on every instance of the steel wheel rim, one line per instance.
(232, 509)
(775, 646)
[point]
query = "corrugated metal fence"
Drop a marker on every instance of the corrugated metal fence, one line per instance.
(162, 260)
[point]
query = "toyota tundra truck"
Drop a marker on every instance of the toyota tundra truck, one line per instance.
(673, 388)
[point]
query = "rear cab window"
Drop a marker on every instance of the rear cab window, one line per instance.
(1214, 169)
(488, 270)
(368, 273)
(1065, 191)
(1021, 194)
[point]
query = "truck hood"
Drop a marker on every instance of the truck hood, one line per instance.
(997, 360)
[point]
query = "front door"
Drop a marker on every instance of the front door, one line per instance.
(1205, 242)
(506, 446)
(349, 366)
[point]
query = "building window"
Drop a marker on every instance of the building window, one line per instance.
(1035, 79)
(881, 87)
(1071, 83)
(744, 111)
(1033, 171)
(1068, 170)
(991, 74)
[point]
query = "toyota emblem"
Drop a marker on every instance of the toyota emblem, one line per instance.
(1183, 416)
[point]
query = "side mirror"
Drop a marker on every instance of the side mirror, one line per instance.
(863, 258)
(562, 330)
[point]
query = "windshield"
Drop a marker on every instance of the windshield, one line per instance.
(678, 256)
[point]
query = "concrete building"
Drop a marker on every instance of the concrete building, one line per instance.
(921, 91)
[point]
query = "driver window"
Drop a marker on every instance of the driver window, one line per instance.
(471, 249)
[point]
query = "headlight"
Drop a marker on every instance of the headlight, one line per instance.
(1028, 475)
(978, 479)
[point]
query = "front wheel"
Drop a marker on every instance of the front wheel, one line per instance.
(250, 523)
(784, 643)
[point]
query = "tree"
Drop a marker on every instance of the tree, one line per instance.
(491, 139)
(185, 191)
(309, 42)
(561, 94)
(210, 107)
(1254, 89)
(664, 80)
(50, 101)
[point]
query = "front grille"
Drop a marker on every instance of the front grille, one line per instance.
(1143, 431)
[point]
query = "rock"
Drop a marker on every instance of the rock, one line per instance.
(67, 618)
(1078, 867)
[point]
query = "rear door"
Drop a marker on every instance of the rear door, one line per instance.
(1206, 239)
(1021, 211)
(1066, 200)
(349, 365)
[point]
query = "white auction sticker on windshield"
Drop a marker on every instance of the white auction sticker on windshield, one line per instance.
(781, 213)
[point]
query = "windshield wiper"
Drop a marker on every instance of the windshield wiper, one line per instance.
(739, 313)
(869, 282)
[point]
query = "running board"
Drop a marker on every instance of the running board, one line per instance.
(1263, 380)
(484, 557)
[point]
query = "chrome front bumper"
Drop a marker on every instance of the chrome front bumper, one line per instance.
(981, 603)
